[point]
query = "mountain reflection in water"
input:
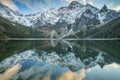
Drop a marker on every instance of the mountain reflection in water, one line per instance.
(60, 60)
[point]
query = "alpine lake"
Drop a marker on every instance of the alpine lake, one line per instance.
(36, 59)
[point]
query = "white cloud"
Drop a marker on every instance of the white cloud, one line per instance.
(84, 1)
(117, 8)
(87, 1)
(110, 4)
(91, 2)
(69, 1)
(10, 4)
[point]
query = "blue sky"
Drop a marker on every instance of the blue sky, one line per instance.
(32, 6)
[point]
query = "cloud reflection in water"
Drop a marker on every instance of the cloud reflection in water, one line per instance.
(40, 71)
(8, 74)
(31, 70)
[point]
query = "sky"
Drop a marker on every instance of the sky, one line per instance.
(33, 6)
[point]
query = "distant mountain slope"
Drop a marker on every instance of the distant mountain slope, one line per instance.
(9, 29)
(109, 30)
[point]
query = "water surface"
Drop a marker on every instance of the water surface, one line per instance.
(60, 59)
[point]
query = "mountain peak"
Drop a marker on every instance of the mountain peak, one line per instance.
(1, 5)
(104, 8)
(62, 8)
(88, 5)
(88, 11)
(51, 9)
(75, 4)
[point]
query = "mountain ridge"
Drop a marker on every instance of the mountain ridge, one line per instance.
(75, 19)
(69, 15)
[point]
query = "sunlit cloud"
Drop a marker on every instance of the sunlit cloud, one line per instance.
(10, 73)
(66, 76)
(117, 8)
(69, 1)
(114, 65)
(10, 4)
(87, 1)
(88, 70)
(49, 71)
(46, 78)
(91, 2)
(84, 1)
(72, 76)
(110, 4)
(111, 66)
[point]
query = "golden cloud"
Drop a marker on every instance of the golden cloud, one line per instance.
(10, 4)
(66, 76)
(114, 65)
(10, 73)
(117, 8)
(72, 76)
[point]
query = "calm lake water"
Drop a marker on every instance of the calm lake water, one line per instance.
(60, 60)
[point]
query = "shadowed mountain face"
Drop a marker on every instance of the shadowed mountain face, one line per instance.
(56, 60)
(109, 30)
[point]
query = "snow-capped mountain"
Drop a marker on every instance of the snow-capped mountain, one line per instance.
(75, 13)
(69, 60)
